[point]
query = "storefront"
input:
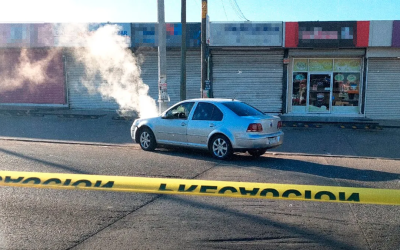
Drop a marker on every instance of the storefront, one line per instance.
(325, 86)
(326, 67)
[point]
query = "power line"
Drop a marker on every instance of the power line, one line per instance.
(223, 6)
(237, 9)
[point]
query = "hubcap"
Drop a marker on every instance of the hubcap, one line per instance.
(145, 139)
(220, 147)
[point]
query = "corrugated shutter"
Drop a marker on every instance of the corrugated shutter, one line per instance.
(149, 69)
(80, 97)
(254, 77)
(383, 89)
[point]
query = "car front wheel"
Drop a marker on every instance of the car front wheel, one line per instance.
(220, 147)
(147, 140)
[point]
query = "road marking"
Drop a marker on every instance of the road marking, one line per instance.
(201, 187)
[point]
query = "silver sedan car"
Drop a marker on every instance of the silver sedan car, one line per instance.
(222, 126)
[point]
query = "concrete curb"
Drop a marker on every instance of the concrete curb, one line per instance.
(348, 125)
(101, 144)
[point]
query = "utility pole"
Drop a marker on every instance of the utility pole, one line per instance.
(204, 91)
(183, 50)
(163, 98)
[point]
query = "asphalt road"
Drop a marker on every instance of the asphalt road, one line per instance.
(65, 219)
(98, 144)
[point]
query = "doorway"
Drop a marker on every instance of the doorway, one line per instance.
(319, 98)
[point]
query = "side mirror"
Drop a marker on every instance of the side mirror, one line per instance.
(166, 115)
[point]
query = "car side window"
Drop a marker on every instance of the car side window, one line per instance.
(207, 112)
(180, 111)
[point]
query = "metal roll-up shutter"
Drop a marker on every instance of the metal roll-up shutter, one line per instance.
(383, 89)
(193, 74)
(149, 69)
(254, 77)
(80, 96)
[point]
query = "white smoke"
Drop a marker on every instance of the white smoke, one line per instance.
(105, 54)
(26, 70)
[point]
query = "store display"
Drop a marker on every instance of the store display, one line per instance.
(346, 89)
(326, 85)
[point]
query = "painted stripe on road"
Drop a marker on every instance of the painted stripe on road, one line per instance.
(201, 187)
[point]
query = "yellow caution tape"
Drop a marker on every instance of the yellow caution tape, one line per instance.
(201, 187)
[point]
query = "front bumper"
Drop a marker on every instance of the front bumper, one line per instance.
(249, 141)
(133, 132)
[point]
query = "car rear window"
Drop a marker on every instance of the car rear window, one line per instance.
(242, 109)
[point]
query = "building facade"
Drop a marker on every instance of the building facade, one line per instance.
(349, 69)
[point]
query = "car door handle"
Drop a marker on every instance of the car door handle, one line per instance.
(183, 124)
(212, 125)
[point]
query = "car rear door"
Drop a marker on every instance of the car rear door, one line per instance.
(206, 118)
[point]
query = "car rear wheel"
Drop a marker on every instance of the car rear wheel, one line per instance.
(220, 147)
(257, 152)
(147, 140)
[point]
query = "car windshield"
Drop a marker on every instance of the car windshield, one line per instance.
(242, 109)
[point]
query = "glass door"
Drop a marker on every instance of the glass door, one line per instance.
(319, 93)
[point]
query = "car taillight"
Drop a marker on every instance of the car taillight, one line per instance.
(255, 127)
(279, 124)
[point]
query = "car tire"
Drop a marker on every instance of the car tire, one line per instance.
(147, 139)
(220, 147)
(257, 152)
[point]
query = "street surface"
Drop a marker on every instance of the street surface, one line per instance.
(74, 219)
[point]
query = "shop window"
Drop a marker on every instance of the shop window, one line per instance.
(347, 65)
(323, 85)
(300, 65)
(299, 95)
(346, 89)
(321, 65)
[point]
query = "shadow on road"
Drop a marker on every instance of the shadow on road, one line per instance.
(290, 165)
(257, 223)
(60, 167)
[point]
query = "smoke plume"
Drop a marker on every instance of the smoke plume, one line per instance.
(106, 55)
(25, 70)
(111, 68)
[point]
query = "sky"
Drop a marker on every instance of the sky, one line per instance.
(128, 11)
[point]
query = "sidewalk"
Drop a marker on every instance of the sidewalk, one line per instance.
(287, 120)
(356, 121)
(104, 127)
(345, 136)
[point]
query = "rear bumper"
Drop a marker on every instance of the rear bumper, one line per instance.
(259, 141)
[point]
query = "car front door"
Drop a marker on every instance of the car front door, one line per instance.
(206, 118)
(172, 128)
